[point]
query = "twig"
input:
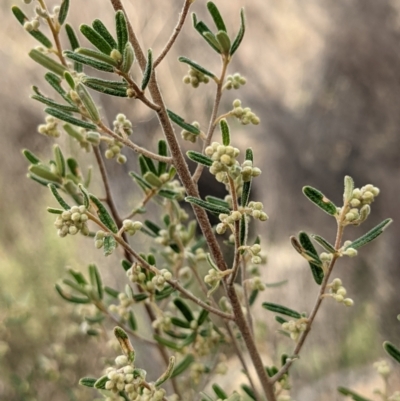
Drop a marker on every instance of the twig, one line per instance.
(177, 30)
(246, 295)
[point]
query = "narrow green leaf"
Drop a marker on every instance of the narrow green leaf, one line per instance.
(122, 30)
(55, 82)
(140, 297)
(224, 42)
(280, 320)
(31, 157)
(216, 16)
(70, 80)
(243, 230)
(63, 13)
(87, 381)
(150, 165)
(183, 365)
(73, 166)
(40, 180)
(207, 205)
(393, 351)
(168, 193)
(205, 397)
(283, 310)
(85, 196)
(78, 276)
(148, 70)
(90, 61)
(180, 323)
(100, 383)
(253, 297)
(196, 66)
(224, 127)
(153, 180)
(203, 29)
(60, 160)
(167, 343)
(162, 151)
(69, 119)
(73, 40)
(101, 29)
(47, 62)
(111, 292)
(348, 188)
(202, 317)
(249, 391)
(95, 39)
(139, 180)
(58, 197)
(320, 200)
(54, 210)
(71, 298)
(316, 268)
(276, 284)
(106, 87)
(370, 235)
(219, 392)
(181, 122)
(132, 321)
(103, 214)
(165, 293)
(39, 36)
(217, 201)
(128, 58)
(97, 55)
(352, 394)
(324, 243)
(211, 39)
(189, 339)
(239, 37)
(88, 102)
(55, 105)
(109, 245)
(95, 280)
(144, 168)
(167, 374)
(184, 309)
(199, 158)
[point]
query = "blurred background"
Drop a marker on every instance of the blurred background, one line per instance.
(323, 76)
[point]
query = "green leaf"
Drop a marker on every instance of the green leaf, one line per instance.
(165, 293)
(348, 188)
(103, 214)
(101, 382)
(168, 193)
(58, 197)
(111, 292)
(88, 102)
(199, 158)
(71, 298)
(283, 310)
(95, 39)
(31, 157)
(109, 245)
(393, 351)
(150, 165)
(203, 29)
(184, 309)
(216, 16)
(40, 180)
(180, 323)
(207, 205)
(352, 394)
(73, 166)
(90, 61)
(85, 196)
(181, 122)
(60, 161)
(243, 228)
(219, 392)
(122, 30)
(70, 80)
(73, 40)
(54, 210)
(202, 317)
(100, 28)
(69, 119)
(167, 343)
(63, 13)
(196, 66)
(370, 235)
(39, 36)
(148, 70)
(132, 320)
(280, 320)
(217, 201)
(253, 296)
(320, 200)
(47, 62)
(78, 276)
(167, 374)
(239, 37)
(139, 180)
(276, 284)
(183, 365)
(53, 104)
(162, 151)
(87, 381)
(324, 243)
(128, 58)
(224, 127)
(96, 55)
(112, 88)
(249, 391)
(189, 339)
(153, 180)
(224, 42)
(55, 82)
(211, 39)
(316, 268)
(95, 280)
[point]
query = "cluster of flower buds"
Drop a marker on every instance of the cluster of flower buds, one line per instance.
(255, 209)
(195, 78)
(383, 368)
(351, 252)
(227, 220)
(163, 322)
(248, 171)
(72, 221)
(224, 160)
(32, 25)
(255, 284)
(338, 292)
(152, 394)
(122, 126)
(234, 81)
(123, 308)
(197, 370)
(50, 128)
(206, 345)
(255, 251)
(188, 136)
(359, 204)
(295, 327)
(244, 115)
(159, 280)
(114, 151)
(125, 378)
(131, 227)
(99, 239)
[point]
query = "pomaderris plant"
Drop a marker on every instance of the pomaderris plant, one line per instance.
(198, 304)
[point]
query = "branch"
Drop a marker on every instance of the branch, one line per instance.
(177, 30)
